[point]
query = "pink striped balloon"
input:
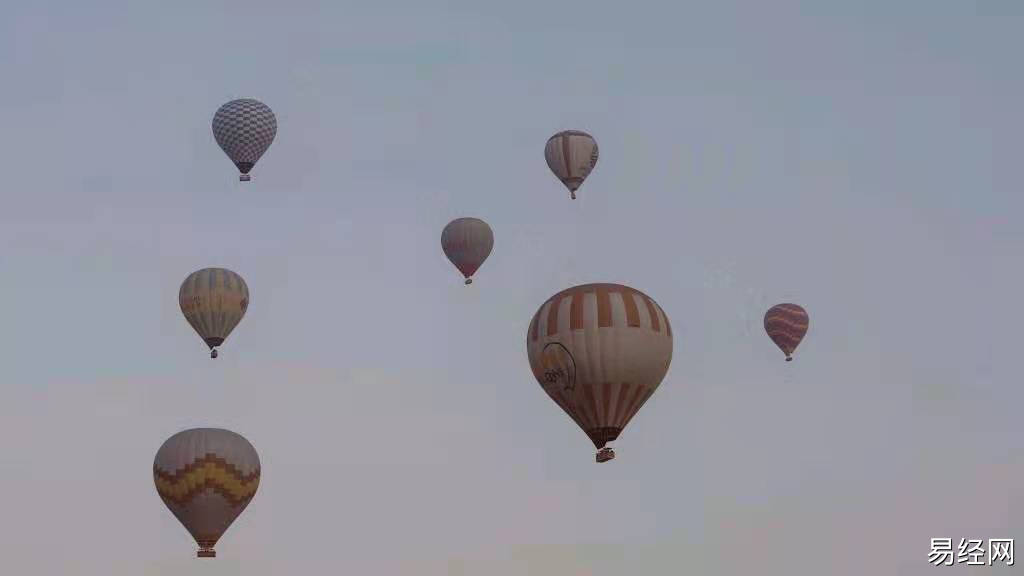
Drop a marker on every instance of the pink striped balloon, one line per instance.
(786, 324)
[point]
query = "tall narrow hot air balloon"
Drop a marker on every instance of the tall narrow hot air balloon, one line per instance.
(206, 476)
(600, 351)
(571, 155)
(213, 300)
(467, 242)
(786, 325)
(244, 129)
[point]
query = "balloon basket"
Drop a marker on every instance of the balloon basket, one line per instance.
(469, 281)
(244, 178)
(206, 553)
(604, 455)
(789, 358)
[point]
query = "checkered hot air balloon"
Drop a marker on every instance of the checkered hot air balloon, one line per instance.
(571, 155)
(786, 325)
(467, 242)
(244, 129)
(600, 351)
(206, 477)
(214, 301)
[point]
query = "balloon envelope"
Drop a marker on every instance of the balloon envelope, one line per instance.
(571, 155)
(206, 476)
(244, 129)
(786, 325)
(214, 301)
(467, 242)
(600, 351)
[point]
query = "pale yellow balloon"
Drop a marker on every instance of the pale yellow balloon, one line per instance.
(214, 301)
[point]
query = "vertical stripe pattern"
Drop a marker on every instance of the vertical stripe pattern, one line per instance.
(467, 242)
(213, 300)
(614, 347)
(786, 325)
(571, 155)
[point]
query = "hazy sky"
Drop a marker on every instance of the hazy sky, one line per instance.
(860, 158)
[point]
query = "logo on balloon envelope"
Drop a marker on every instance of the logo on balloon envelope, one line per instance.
(559, 366)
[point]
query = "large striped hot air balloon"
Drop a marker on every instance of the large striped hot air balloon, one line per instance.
(214, 301)
(206, 476)
(600, 351)
(571, 155)
(467, 242)
(244, 130)
(786, 325)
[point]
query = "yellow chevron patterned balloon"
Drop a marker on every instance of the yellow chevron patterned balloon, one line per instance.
(206, 476)
(213, 300)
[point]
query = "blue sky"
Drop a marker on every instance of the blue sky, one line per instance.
(858, 158)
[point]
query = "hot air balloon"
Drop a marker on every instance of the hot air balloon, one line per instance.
(786, 325)
(213, 300)
(571, 155)
(467, 242)
(206, 476)
(244, 129)
(600, 351)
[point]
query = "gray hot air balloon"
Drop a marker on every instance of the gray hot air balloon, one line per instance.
(244, 129)
(467, 242)
(206, 476)
(571, 155)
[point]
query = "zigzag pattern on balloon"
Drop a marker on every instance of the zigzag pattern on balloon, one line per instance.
(210, 473)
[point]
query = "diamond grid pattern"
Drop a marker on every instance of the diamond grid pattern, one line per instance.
(244, 129)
